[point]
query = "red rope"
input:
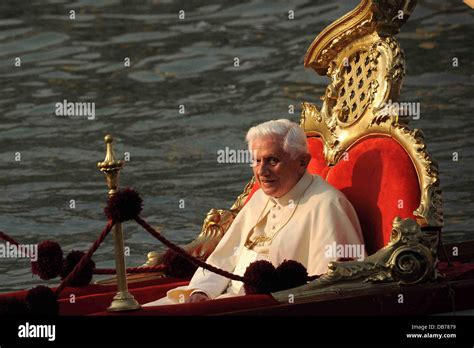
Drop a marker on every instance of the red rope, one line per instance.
(143, 269)
(7, 238)
(184, 254)
(85, 258)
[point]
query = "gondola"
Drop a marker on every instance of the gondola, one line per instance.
(360, 143)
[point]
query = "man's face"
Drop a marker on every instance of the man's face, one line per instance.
(276, 172)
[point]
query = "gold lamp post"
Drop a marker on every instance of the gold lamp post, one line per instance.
(123, 300)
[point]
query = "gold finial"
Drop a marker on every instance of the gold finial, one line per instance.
(111, 166)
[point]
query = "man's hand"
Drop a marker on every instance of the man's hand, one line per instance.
(197, 297)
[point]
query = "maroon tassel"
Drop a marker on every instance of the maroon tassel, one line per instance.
(291, 274)
(124, 205)
(84, 277)
(261, 278)
(50, 260)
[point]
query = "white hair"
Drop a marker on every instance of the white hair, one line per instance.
(291, 134)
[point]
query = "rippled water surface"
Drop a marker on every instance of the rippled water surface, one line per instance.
(188, 62)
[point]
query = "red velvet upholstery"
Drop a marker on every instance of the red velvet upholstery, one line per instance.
(380, 180)
(317, 165)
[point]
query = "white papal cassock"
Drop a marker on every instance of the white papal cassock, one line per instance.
(302, 225)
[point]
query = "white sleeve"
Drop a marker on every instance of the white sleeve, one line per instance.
(225, 257)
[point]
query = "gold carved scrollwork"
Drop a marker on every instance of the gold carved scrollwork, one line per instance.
(214, 227)
(385, 17)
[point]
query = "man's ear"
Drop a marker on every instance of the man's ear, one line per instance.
(304, 160)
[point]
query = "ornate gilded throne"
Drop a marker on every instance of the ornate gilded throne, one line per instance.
(364, 148)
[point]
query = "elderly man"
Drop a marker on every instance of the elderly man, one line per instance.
(294, 216)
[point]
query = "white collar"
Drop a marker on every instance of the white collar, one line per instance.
(295, 193)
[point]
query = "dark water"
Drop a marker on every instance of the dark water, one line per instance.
(188, 62)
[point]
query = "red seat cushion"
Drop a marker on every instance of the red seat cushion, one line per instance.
(380, 180)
